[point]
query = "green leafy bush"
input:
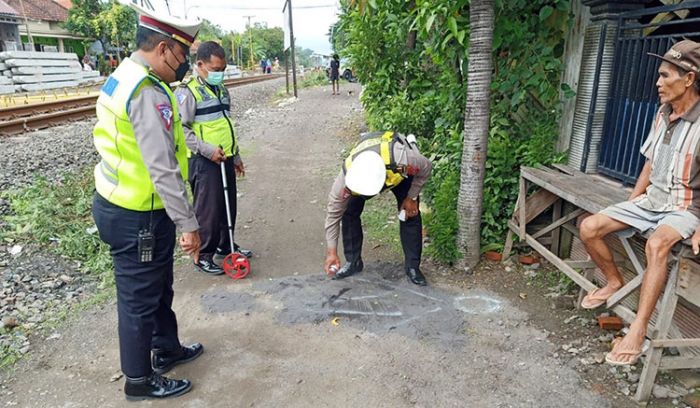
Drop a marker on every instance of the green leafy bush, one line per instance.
(313, 78)
(411, 58)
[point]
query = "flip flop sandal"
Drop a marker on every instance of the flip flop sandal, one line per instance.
(617, 340)
(636, 354)
(591, 301)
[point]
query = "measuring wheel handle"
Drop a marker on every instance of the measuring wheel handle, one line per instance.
(236, 266)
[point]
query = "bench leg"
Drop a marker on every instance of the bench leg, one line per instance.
(509, 237)
(588, 274)
(556, 214)
(663, 323)
(508, 246)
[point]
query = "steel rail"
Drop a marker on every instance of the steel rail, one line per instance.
(24, 118)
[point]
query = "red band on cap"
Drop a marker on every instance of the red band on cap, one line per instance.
(165, 27)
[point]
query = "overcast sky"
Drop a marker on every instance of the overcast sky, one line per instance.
(310, 24)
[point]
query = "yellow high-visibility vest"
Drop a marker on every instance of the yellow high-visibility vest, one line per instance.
(121, 177)
(212, 120)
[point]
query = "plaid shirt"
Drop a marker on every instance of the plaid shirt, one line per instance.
(674, 151)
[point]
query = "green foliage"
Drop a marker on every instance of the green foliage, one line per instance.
(265, 43)
(303, 56)
(59, 217)
(110, 22)
(81, 18)
(210, 32)
(412, 59)
(443, 220)
(313, 78)
(117, 24)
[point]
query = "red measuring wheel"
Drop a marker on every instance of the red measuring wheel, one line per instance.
(236, 266)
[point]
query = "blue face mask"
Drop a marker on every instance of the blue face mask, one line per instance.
(215, 78)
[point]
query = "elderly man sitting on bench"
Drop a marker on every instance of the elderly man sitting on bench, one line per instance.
(665, 199)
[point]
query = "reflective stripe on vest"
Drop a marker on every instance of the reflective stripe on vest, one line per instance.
(382, 143)
(212, 121)
(122, 177)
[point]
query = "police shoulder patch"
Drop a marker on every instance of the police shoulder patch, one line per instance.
(180, 97)
(166, 113)
(110, 86)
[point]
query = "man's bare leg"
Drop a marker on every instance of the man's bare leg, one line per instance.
(593, 229)
(658, 247)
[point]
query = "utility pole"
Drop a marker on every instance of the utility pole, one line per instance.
(291, 39)
(251, 61)
(234, 54)
(26, 24)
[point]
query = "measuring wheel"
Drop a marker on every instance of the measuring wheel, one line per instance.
(236, 266)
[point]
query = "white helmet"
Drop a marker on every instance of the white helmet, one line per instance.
(367, 174)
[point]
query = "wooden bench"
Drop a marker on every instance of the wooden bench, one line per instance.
(571, 194)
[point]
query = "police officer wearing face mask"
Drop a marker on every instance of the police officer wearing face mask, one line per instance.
(141, 200)
(205, 107)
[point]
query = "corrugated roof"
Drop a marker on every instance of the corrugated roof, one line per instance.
(6, 9)
(46, 10)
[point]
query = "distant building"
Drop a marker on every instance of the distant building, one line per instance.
(44, 19)
(9, 32)
(320, 60)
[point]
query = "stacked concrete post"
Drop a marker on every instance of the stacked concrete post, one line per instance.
(31, 71)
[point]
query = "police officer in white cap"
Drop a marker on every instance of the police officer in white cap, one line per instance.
(381, 161)
(141, 199)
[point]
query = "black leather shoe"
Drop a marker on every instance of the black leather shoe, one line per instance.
(209, 267)
(349, 269)
(154, 386)
(245, 252)
(416, 276)
(164, 362)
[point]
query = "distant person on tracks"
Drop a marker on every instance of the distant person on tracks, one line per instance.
(205, 107)
(141, 199)
(381, 161)
(335, 74)
(263, 65)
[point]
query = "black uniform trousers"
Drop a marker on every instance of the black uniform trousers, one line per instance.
(409, 230)
(144, 290)
(209, 202)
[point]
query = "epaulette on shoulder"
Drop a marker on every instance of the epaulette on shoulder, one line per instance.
(185, 81)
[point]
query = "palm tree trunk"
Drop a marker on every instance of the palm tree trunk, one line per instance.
(476, 129)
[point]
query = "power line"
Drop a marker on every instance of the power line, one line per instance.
(268, 8)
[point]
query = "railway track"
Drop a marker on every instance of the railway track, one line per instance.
(25, 118)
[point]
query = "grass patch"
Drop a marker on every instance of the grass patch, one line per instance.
(380, 223)
(552, 278)
(311, 79)
(57, 216)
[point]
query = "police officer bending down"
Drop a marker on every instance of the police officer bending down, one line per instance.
(205, 107)
(381, 161)
(141, 199)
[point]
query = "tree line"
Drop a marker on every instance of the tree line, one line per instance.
(114, 26)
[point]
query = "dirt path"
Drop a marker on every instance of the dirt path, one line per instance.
(270, 340)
